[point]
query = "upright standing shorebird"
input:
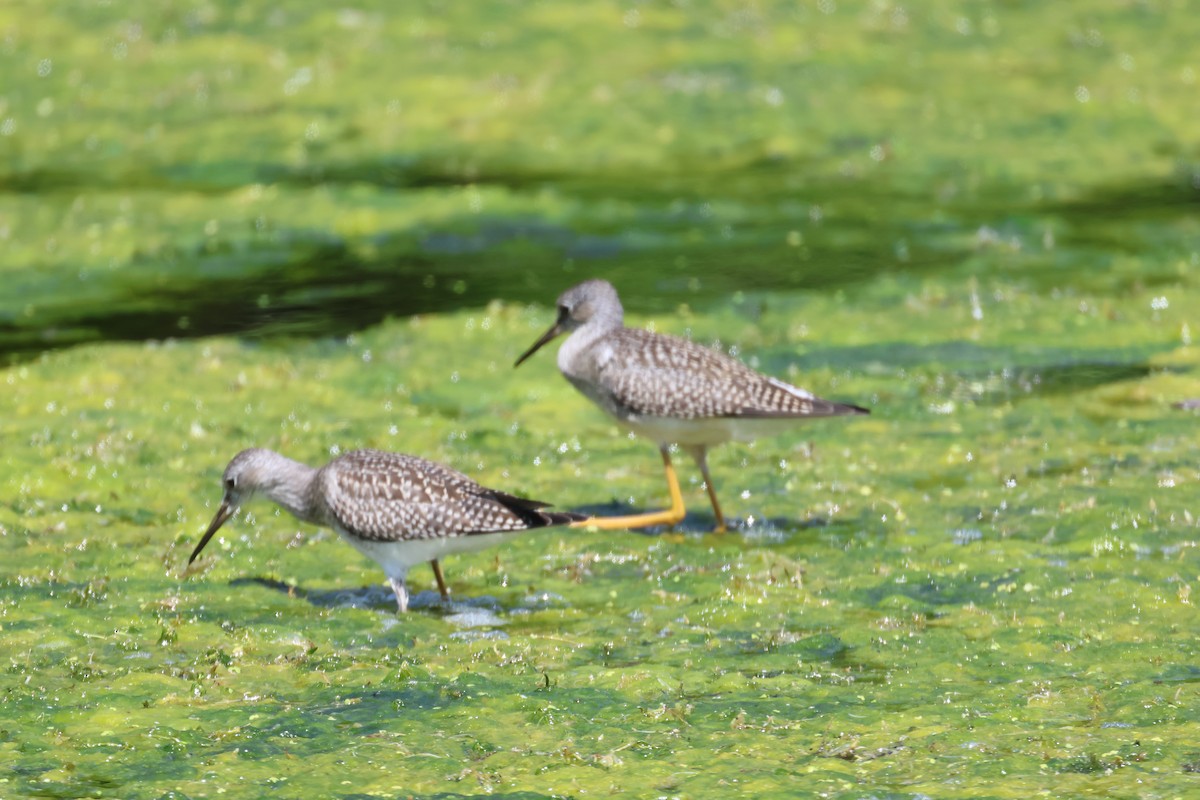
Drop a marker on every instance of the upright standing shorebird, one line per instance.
(669, 390)
(396, 509)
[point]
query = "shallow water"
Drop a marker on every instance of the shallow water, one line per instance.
(981, 590)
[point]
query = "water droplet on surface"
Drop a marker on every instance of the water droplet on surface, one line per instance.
(302, 77)
(965, 536)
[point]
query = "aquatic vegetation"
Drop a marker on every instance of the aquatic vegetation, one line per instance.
(231, 225)
(972, 580)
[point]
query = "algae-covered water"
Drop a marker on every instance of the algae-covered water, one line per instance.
(318, 228)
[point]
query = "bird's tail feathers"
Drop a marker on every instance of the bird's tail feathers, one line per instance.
(531, 511)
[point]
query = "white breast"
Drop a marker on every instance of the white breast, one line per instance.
(397, 558)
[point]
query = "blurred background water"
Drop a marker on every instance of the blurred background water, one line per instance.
(263, 168)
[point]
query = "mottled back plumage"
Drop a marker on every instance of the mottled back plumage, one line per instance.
(386, 497)
(640, 373)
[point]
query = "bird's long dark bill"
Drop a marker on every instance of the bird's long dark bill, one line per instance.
(223, 514)
(555, 330)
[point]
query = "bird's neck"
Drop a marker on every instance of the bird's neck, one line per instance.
(294, 488)
(585, 336)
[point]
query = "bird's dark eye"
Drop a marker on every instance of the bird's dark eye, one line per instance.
(563, 312)
(230, 483)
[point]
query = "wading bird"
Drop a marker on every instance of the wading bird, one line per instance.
(397, 509)
(669, 390)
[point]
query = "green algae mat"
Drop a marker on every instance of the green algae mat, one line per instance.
(320, 228)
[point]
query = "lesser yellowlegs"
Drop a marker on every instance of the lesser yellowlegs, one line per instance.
(669, 390)
(397, 509)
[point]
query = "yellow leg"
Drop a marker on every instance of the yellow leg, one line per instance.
(670, 516)
(701, 457)
(441, 581)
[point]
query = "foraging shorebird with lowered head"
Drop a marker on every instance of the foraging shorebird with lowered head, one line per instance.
(669, 390)
(396, 509)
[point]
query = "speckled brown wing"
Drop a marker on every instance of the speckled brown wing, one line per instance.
(381, 496)
(654, 374)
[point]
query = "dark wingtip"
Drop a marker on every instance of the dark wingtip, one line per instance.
(849, 408)
(531, 511)
(514, 503)
(564, 517)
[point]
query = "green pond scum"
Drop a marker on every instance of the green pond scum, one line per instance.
(316, 228)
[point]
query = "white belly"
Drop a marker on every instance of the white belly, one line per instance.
(706, 431)
(397, 557)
